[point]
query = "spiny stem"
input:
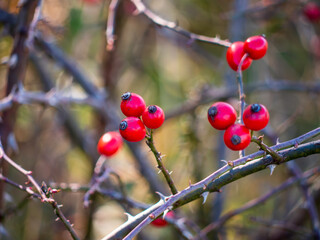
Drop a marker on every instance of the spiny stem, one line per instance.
(162, 168)
(241, 94)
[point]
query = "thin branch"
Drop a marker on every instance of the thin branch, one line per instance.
(111, 24)
(161, 166)
(142, 8)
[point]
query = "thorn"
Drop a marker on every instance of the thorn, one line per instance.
(170, 172)
(152, 216)
(159, 171)
(224, 161)
(162, 197)
(204, 186)
(57, 219)
(272, 167)
(205, 196)
(278, 141)
(296, 145)
(165, 213)
(129, 216)
(230, 163)
(12, 62)
(190, 184)
(60, 206)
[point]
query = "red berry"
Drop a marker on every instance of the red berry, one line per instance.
(234, 55)
(160, 222)
(237, 137)
(221, 115)
(153, 117)
(132, 104)
(312, 11)
(109, 143)
(132, 129)
(256, 47)
(255, 117)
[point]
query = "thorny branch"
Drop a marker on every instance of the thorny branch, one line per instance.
(161, 166)
(240, 168)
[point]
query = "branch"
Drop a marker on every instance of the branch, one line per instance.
(111, 24)
(153, 17)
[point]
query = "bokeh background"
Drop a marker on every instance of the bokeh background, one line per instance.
(168, 70)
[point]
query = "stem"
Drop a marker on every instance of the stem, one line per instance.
(162, 168)
(276, 156)
(241, 94)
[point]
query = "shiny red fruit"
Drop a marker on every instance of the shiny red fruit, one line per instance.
(234, 55)
(256, 117)
(160, 222)
(312, 11)
(256, 47)
(153, 117)
(132, 104)
(109, 143)
(221, 115)
(132, 129)
(237, 137)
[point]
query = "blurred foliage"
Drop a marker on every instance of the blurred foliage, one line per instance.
(162, 67)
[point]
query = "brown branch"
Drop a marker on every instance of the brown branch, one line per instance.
(142, 8)
(111, 24)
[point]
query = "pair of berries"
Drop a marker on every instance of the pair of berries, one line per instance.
(222, 116)
(255, 46)
(133, 106)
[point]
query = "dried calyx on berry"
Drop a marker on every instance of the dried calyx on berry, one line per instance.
(255, 107)
(152, 109)
(126, 96)
(123, 125)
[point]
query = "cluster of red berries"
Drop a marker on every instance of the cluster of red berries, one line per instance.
(222, 116)
(255, 46)
(133, 106)
(131, 128)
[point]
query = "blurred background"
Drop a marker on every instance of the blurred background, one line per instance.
(169, 70)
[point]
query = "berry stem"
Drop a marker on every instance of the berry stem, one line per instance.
(276, 156)
(241, 94)
(158, 157)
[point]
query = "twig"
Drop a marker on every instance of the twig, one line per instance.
(142, 8)
(258, 201)
(276, 156)
(161, 166)
(111, 24)
(241, 94)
